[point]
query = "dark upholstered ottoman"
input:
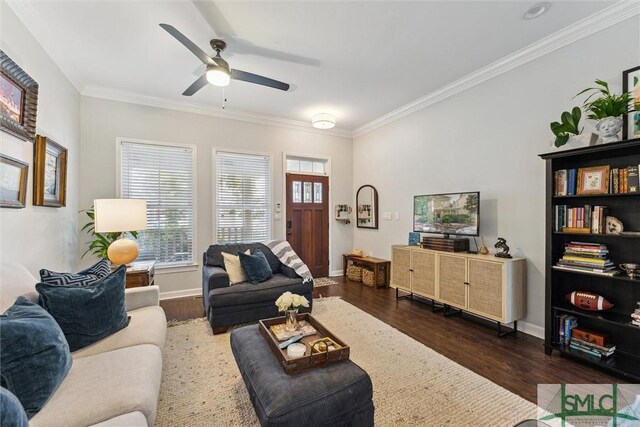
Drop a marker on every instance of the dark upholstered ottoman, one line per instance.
(338, 394)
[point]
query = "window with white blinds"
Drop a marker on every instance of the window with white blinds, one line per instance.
(163, 175)
(243, 197)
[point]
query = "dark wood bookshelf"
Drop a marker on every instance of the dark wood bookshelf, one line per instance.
(622, 291)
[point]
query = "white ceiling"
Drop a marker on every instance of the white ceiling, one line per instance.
(358, 60)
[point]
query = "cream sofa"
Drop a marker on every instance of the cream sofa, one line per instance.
(114, 382)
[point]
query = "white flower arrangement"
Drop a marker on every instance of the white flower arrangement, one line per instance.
(289, 301)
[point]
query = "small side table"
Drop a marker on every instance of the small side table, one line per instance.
(140, 274)
(378, 265)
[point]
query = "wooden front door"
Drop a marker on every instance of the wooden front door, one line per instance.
(308, 220)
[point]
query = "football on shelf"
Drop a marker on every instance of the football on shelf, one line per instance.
(588, 301)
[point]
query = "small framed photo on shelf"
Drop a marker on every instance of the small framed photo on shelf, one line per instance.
(631, 83)
(50, 173)
(13, 182)
(593, 180)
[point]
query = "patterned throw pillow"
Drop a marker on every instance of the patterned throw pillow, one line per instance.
(86, 277)
(233, 268)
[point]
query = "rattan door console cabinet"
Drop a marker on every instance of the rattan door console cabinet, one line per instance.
(483, 285)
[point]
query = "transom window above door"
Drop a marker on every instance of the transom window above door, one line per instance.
(306, 165)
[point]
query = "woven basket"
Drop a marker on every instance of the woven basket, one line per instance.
(354, 273)
(367, 277)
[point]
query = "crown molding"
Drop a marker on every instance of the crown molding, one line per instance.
(193, 107)
(607, 17)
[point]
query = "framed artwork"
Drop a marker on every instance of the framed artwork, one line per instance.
(18, 100)
(593, 180)
(631, 121)
(13, 182)
(49, 173)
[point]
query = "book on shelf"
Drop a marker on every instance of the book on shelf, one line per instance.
(596, 271)
(589, 351)
(586, 257)
(566, 324)
(607, 349)
(585, 219)
(282, 334)
(624, 180)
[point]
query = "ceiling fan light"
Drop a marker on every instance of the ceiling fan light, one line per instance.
(323, 121)
(218, 76)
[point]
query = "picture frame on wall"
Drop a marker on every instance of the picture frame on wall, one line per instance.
(631, 121)
(13, 182)
(49, 173)
(593, 180)
(18, 100)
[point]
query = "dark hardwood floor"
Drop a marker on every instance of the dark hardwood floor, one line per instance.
(517, 363)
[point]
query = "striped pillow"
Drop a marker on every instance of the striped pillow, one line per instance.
(82, 278)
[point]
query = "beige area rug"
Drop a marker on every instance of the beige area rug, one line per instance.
(412, 384)
(323, 281)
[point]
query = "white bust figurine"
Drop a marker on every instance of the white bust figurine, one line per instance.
(608, 128)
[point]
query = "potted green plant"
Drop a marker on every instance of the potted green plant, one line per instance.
(607, 108)
(99, 243)
(568, 129)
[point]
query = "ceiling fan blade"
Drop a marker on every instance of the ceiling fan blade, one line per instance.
(214, 18)
(242, 46)
(196, 86)
(260, 80)
(206, 59)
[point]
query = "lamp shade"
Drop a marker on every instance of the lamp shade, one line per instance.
(119, 215)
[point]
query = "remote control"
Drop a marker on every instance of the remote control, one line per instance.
(290, 341)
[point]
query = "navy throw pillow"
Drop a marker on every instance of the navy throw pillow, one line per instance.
(82, 278)
(255, 266)
(34, 355)
(11, 411)
(87, 314)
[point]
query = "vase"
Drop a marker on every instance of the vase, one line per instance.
(291, 320)
(608, 129)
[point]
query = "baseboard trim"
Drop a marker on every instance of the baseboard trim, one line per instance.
(335, 273)
(531, 329)
(180, 294)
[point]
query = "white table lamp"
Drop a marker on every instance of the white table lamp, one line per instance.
(120, 216)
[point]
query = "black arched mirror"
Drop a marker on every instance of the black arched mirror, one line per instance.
(367, 207)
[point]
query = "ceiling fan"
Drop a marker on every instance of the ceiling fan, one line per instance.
(218, 71)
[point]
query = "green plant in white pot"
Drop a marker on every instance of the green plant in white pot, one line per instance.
(607, 108)
(568, 129)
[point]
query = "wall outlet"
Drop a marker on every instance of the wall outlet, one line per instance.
(386, 216)
(396, 216)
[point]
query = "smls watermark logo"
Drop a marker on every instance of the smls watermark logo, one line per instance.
(589, 405)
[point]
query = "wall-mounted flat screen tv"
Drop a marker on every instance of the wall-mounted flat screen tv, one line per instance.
(451, 213)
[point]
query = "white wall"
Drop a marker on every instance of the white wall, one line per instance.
(103, 121)
(488, 138)
(39, 236)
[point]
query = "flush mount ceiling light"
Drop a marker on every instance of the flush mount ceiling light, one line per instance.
(323, 121)
(536, 11)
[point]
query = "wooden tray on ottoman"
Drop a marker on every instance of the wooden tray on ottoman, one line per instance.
(308, 361)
